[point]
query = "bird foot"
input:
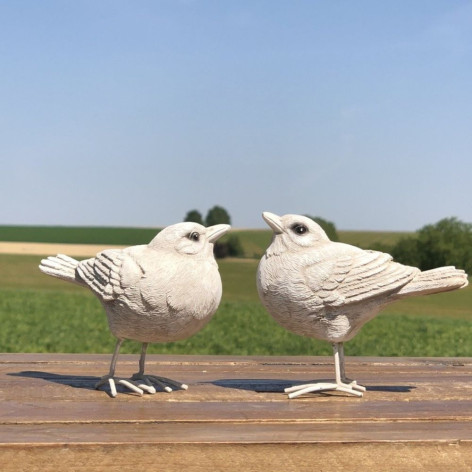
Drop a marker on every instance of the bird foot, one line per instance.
(350, 387)
(353, 384)
(139, 383)
(112, 381)
(168, 385)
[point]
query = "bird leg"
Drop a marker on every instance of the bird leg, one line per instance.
(139, 383)
(342, 383)
(110, 377)
(341, 379)
(147, 381)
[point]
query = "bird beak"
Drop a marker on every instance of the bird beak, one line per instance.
(273, 221)
(216, 231)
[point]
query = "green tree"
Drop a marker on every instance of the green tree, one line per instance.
(235, 248)
(194, 216)
(229, 246)
(406, 252)
(448, 242)
(217, 215)
(328, 227)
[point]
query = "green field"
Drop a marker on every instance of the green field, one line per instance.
(77, 234)
(372, 239)
(254, 242)
(42, 314)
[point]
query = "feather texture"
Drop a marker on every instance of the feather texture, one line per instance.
(328, 290)
(160, 292)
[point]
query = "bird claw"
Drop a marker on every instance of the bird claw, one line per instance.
(168, 385)
(351, 388)
(353, 384)
(140, 384)
(112, 381)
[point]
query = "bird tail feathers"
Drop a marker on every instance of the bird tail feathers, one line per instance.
(62, 267)
(442, 279)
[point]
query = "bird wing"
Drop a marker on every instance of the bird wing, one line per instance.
(109, 273)
(357, 276)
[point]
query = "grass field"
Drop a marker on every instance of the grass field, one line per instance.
(77, 234)
(42, 314)
(254, 242)
(372, 239)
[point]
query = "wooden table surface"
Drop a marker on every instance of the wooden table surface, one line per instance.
(416, 415)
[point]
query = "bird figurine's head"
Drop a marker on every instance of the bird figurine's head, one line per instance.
(293, 233)
(189, 238)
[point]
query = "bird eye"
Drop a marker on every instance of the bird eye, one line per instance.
(299, 229)
(194, 236)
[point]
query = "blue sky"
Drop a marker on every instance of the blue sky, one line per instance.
(131, 113)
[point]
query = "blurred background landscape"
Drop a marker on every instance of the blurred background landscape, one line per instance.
(119, 118)
(42, 314)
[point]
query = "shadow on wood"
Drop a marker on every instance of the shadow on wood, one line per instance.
(278, 385)
(416, 415)
(81, 381)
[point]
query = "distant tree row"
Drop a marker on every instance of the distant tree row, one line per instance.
(228, 246)
(215, 216)
(448, 242)
(328, 227)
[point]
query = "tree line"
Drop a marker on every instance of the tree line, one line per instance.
(447, 242)
(229, 245)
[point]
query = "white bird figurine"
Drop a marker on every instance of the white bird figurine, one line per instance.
(327, 290)
(164, 291)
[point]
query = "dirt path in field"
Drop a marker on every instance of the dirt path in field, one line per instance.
(46, 249)
(74, 250)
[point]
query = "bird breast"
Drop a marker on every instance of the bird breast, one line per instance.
(296, 306)
(168, 304)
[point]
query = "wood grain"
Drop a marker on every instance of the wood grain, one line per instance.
(416, 415)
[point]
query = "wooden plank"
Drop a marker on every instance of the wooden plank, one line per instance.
(416, 415)
(173, 410)
(235, 432)
(398, 457)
